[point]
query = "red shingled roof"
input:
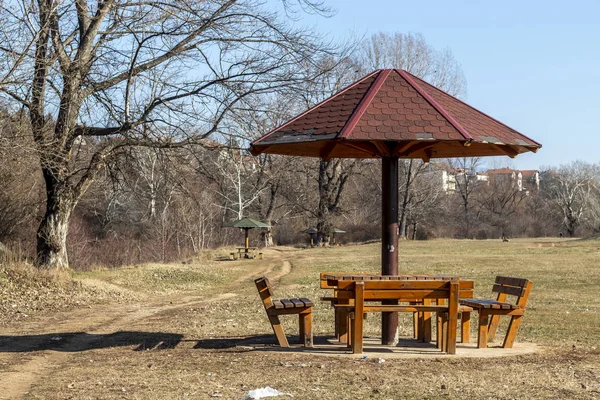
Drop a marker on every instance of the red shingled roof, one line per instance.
(391, 112)
(528, 173)
(500, 171)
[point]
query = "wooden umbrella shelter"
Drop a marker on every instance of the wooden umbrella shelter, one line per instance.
(392, 114)
(311, 232)
(246, 224)
(333, 232)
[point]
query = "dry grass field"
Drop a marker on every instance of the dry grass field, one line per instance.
(181, 331)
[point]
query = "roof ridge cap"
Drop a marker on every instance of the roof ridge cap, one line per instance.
(435, 104)
(364, 103)
(478, 110)
(350, 86)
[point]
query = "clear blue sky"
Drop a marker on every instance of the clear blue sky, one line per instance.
(534, 65)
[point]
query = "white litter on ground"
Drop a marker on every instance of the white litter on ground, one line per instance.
(265, 392)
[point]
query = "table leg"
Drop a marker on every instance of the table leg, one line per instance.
(426, 323)
(357, 325)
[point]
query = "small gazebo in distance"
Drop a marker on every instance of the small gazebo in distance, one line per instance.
(246, 224)
(333, 232)
(311, 232)
(391, 114)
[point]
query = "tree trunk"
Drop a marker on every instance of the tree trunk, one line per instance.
(323, 223)
(268, 238)
(54, 227)
(403, 209)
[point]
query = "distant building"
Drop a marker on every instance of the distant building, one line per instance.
(447, 176)
(525, 180)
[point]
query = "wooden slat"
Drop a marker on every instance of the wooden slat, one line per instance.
(297, 303)
(307, 302)
(406, 294)
(512, 290)
(488, 304)
(409, 308)
(401, 285)
(278, 304)
(506, 280)
(287, 303)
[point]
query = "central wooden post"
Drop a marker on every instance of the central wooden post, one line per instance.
(389, 239)
(246, 242)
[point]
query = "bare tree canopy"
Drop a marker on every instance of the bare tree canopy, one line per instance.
(412, 53)
(97, 76)
(574, 189)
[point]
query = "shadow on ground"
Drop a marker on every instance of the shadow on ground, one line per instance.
(82, 341)
(257, 341)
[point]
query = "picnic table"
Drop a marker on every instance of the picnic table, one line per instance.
(247, 252)
(424, 294)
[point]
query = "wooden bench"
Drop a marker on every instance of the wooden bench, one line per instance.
(275, 308)
(402, 291)
(487, 327)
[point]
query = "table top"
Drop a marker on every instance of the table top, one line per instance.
(371, 277)
(249, 248)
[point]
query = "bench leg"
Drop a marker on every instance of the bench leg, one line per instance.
(465, 327)
(426, 323)
(278, 330)
(336, 323)
(440, 326)
(494, 321)
(444, 332)
(482, 338)
(415, 325)
(306, 336)
(357, 333)
(511, 334)
(343, 327)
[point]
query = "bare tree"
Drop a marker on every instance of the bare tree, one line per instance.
(412, 53)
(98, 72)
(573, 189)
(466, 184)
(499, 199)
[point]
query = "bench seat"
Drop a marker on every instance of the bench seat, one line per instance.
(491, 304)
(302, 302)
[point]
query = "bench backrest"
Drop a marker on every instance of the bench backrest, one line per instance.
(264, 290)
(325, 283)
(466, 290)
(400, 290)
(517, 287)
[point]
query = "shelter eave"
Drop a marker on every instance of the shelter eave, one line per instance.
(423, 149)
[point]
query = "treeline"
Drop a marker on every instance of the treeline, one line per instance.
(166, 204)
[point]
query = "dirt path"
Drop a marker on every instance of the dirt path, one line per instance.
(91, 327)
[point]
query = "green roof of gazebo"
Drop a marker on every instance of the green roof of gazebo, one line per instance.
(247, 223)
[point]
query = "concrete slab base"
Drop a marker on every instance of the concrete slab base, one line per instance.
(406, 348)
